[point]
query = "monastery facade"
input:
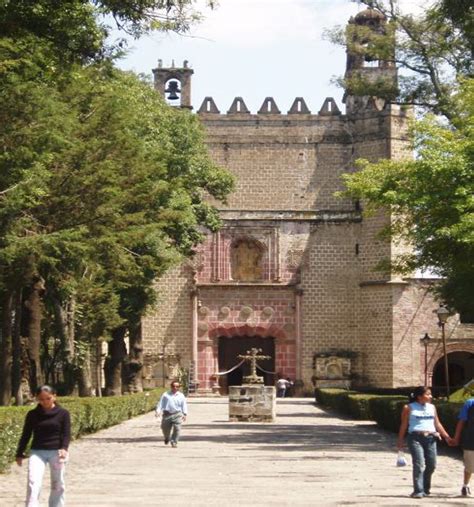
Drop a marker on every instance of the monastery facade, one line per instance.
(293, 271)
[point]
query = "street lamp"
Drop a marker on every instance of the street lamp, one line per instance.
(425, 340)
(443, 314)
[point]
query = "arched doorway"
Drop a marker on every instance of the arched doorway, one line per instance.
(229, 350)
(460, 368)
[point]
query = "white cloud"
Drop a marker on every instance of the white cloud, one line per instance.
(257, 48)
(247, 23)
(263, 23)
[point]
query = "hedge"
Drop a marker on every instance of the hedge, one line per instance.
(384, 409)
(352, 403)
(387, 411)
(88, 415)
(335, 398)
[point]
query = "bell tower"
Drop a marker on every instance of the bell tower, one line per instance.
(174, 84)
(371, 75)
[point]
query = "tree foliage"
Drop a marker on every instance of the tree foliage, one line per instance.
(432, 50)
(76, 30)
(431, 197)
(432, 202)
(102, 185)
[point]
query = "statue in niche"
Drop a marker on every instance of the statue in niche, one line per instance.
(247, 260)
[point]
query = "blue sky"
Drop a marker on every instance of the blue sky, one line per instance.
(255, 49)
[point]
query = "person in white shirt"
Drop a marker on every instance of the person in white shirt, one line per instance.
(282, 385)
(173, 410)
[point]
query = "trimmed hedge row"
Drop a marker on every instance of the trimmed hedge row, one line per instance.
(384, 409)
(88, 415)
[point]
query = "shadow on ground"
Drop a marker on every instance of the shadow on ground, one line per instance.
(318, 437)
(269, 437)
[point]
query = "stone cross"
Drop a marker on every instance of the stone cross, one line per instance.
(253, 357)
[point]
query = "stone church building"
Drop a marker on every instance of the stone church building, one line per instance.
(293, 269)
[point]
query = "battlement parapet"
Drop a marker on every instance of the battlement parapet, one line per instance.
(270, 108)
(299, 111)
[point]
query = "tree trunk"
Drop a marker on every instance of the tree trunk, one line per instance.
(85, 375)
(114, 362)
(6, 350)
(65, 321)
(35, 315)
(17, 349)
(98, 367)
(135, 362)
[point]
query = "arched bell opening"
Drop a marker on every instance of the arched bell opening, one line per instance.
(173, 92)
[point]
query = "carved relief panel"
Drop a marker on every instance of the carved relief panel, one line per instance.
(246, 259)
(246, 254)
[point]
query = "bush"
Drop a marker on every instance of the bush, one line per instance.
(335, 398)
(354, 404)
(385, 410)
(359, 405)
(11, 424)
(448, 415)
(88, 415)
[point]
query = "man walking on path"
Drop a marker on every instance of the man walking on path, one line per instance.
(173, 409)
(465, 436)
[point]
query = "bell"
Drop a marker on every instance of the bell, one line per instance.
(173, 90)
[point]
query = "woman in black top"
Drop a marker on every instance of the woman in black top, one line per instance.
(51, 429)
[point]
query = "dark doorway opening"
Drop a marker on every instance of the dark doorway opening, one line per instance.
(231, 348)
(460, 368)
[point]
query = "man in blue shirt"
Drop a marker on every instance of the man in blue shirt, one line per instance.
(465, 436)
(173, 409)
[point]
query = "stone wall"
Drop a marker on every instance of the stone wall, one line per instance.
(414, 307)
(167, 327)
(330, 286)
(287, 170)
(283, 162)
(309, 277)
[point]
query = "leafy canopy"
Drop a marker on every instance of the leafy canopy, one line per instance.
(432, 197)
(432, 51)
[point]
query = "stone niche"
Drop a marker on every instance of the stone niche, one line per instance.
(252, 403)
(332, 371)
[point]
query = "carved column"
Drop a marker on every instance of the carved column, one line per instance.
(277, 271)
(298, 296)
(218, 260)
(194, 332)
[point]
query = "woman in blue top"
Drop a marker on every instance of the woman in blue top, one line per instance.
(419, 417)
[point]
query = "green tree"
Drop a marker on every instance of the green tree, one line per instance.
(102, 186)
(430, 197)
(76, 30)
(432, 202)
(120, 196)
(432, 50)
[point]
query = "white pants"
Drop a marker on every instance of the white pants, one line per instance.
(37, 462)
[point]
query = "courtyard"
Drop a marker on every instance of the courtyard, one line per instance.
(308, 457)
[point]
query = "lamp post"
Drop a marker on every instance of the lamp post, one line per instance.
(443, 314)
(425, 340)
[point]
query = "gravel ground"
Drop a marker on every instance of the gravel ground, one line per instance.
(308, 457)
